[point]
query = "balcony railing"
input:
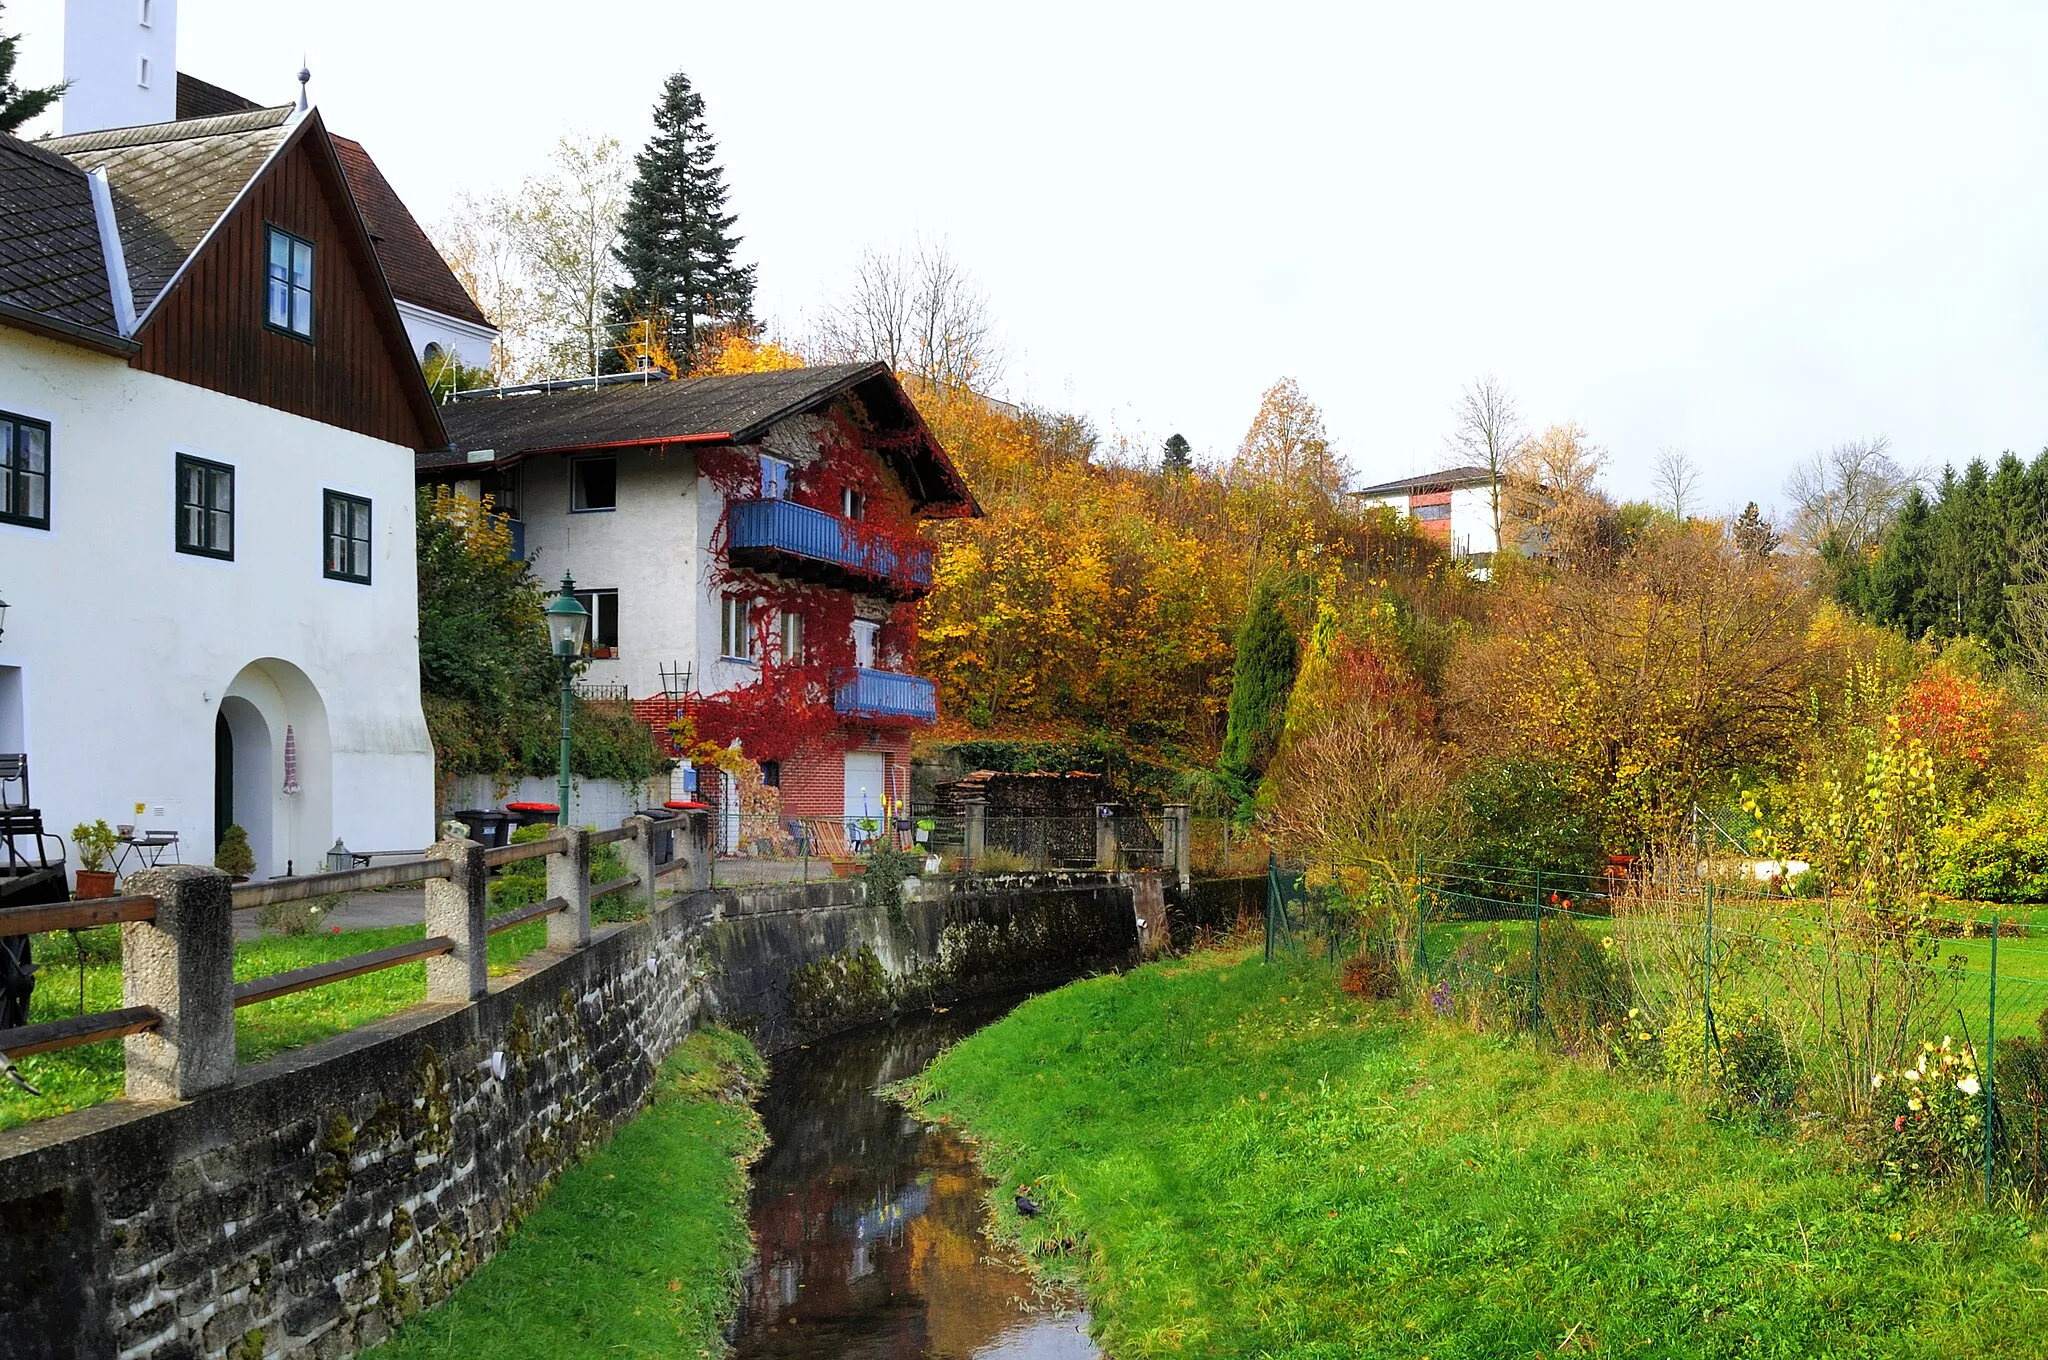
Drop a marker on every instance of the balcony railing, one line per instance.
(864, 693)
(782, 535)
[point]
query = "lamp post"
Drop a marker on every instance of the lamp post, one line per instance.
(568, 623)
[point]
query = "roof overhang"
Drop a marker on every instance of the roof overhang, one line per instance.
(106, 342)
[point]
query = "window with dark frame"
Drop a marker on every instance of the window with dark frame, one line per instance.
(594, 484)
(771, 774)
(602, 641)
(24, 471)
(206, 507)
(348, 537)
(1428, 512)
(288, 296)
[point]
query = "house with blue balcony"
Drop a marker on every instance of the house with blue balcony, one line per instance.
(752, 551)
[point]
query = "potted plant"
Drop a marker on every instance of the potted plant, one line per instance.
(96, 844)
(925, 827)
(234, 858)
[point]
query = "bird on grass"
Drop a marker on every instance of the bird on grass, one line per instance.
(1026, 1206)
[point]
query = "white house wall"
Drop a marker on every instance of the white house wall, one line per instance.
(123, 648)
(468, 341)
(1472, 519)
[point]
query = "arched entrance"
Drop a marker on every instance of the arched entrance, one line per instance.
(271, 712)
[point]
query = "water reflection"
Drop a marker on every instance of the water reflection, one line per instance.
(869, 1227)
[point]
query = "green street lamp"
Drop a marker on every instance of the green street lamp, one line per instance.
(568, 624)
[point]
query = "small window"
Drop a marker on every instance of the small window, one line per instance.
(736, 628)
(148, 12)
(853, 504)
(594, 484)
(431, 354)
(24, 471)
(142, 72)
(771, 774)
(789, 638)
(206, 507)
(1430, 512)
(774, 478)
(348, 538)
(288, 299)
(866, 633)
(603, 638)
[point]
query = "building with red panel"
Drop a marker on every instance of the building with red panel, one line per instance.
(750, 550)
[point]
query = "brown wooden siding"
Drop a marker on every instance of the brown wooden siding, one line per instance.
(209, 330)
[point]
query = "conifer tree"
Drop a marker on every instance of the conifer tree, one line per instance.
(1755, 537)
(17, 105)
(1178, 457)
(676, 242)
(1262, 677)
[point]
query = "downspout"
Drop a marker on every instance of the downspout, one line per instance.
(113, 252)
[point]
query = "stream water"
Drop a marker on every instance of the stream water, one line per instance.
(870, 1227)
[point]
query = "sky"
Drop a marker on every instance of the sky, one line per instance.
(1747, 232)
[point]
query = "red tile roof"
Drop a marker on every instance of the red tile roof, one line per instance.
(412, 265)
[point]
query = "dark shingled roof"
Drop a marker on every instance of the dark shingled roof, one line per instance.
(50, 259)
(413, 267)
(173, 181)
(1471, 475)
(734, 409)
(202, 99)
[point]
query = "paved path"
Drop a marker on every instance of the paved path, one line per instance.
(390, 907)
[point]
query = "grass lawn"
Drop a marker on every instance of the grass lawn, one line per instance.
(638, 1251)
(1255, 1165)
(73, 1078)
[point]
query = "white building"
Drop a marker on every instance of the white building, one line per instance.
(209, 412)
(749, 549)
(1454, 506)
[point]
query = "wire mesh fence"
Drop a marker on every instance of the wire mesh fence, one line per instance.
(774, 847)
(1927, 1027)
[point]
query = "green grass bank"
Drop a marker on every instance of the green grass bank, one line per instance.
(636, 1252)
(1236, 1159)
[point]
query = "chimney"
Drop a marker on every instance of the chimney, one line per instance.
(121, 61)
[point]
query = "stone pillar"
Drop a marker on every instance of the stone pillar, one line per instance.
(569, 879)
(694, 845)
(182, 963)
(1106, 850)
(974, 832)
(1180, 844)
(639, 855)
(456, 907)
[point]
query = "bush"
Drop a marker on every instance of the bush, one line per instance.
(1585, 993)
(526, 882)
(1370, 975)
(234, 858)
(1750, 1068)
(1929, 1118)
(1518, 812)
(2000, 855)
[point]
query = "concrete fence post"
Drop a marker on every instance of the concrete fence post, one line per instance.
(182, 963)
(974, 832)
(569, 879)
(1180, 844)
(694, 845)
(640, 857)
(457, 907)
(1106, 848)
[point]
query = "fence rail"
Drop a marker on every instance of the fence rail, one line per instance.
(81, 915)
(355, 965)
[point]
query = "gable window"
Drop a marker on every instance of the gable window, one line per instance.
(736, 628)
(774, 478)
(288, 299)
(206, 507)
(24, 471)
(594, 484)
(348, 538)
(603, 605)
(853, 504)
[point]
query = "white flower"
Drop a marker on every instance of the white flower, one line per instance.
(1913, 1104)
(1968, 1086)
(1876, 1080)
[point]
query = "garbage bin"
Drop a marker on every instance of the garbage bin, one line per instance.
(533, 814)
(487, 827)
(664, 841)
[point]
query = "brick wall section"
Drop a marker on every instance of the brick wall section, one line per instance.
(333, 1191)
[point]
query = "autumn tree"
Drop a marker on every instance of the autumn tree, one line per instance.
(1287, 450)
(1486, 434)
(1677, 481)
(918, 311)
(1845, 497)
(676, 242)
(1555, 507)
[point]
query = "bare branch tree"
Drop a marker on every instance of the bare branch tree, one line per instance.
(919, 312)
(1486, 434)
(1677, 479)
(1847, 495)
(477, 241)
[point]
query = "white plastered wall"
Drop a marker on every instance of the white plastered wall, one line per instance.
(125, 647)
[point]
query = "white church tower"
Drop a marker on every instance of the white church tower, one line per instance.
(121, 62)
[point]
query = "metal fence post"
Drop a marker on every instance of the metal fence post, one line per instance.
(1707, 998)
(182, 963)
(1990, 1057)
(1536, 964)
(1421, 924)
(569, 879)
(1272, 900)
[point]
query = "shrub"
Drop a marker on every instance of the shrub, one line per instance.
(301, 917)
(1370, 975)
(1585, 993)
(1928, 1118)
(1519, 812)
(2000, 855)
(1750, 1068)
(526, 882)
(1637, 1044)
(234, 858)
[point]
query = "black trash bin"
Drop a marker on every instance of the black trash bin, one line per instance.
(664, 841)
(486, 827)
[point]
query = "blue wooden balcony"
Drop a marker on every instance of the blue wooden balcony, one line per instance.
(796, 541)
(864, 693)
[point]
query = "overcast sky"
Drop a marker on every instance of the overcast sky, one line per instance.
(1743, 231)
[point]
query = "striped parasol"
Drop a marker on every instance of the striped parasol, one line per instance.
(291, 760)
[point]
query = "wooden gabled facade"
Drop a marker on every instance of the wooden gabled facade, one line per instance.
(357, 371)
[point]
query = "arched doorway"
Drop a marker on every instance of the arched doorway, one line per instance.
(269, 712)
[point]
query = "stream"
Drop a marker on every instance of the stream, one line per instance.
(870, 1227)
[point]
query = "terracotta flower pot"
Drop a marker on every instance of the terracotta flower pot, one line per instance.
(845, 868)
(95, 883)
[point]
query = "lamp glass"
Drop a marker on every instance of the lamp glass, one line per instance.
(568, 625)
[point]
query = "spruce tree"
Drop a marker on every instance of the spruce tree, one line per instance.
(17, 105)
(1755, 537)
(676, 242)
(1178, 457)
(1261, 677)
